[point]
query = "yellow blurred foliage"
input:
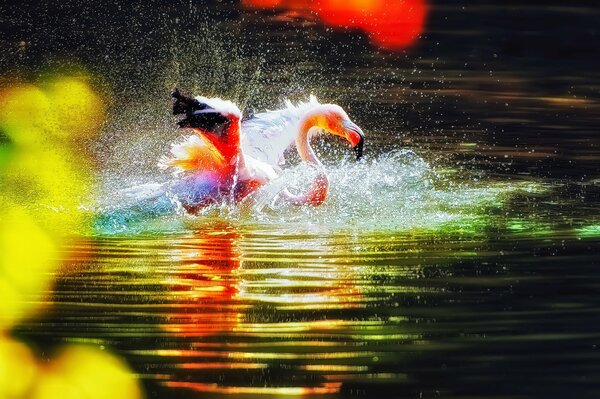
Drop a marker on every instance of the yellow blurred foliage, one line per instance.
(26, 115)
(51, 183)
(18, 369)
(63, 108)
(27, 261)
(84, 372)
(79, 111)
(77, 372)
(44, 177)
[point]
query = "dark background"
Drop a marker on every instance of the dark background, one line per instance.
(483, 71)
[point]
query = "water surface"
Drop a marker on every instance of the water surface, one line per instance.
(466, 268)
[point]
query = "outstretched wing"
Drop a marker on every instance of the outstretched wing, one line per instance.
(194, 153)
(212, 119)
(210, 115)
(266, 136)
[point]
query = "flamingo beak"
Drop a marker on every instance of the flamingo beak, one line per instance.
(356, 137)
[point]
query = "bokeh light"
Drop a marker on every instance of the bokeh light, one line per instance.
(27, 259)
(76, 372)
(44, 177)
(18, 369)
(85, 372)
(391, 25)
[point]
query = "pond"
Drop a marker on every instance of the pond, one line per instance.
(457, 260)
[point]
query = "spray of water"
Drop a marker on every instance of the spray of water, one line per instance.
(391, 190)
(395, 191)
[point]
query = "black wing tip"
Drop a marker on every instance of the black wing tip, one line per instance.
(209, 121)
(180, 105)
(185, 105)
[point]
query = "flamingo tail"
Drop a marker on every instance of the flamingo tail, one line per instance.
(193, 154)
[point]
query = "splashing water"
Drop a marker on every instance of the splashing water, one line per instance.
(396, 191)
(393, 191)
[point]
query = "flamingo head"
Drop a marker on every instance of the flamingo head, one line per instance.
(334, 120)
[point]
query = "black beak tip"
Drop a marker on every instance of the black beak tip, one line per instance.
(358, 149)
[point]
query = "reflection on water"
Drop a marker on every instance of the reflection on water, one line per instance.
(222, 300)
(248, 311)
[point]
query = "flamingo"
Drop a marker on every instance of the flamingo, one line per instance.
(232, 156)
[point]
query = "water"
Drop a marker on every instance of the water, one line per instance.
(459, 260)
(229, 310)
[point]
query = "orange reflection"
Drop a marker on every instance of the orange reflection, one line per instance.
(206, 283)
(323, 389)
(223, 286)
(393, 25)
(214, 286)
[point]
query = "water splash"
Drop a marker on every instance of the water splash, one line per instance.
(396, 191)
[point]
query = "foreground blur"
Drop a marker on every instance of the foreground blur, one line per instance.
(44, 178)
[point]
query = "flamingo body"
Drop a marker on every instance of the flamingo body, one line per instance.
(230, 158)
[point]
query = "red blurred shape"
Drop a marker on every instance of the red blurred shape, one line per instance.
(399, 24)
(262, 3)
(392, 24)
(347, 13)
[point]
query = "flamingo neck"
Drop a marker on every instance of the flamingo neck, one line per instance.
(303, 140)
(317, 193)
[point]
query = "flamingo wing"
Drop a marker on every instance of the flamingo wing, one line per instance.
(209, 115)
(267, 135)
(194, 153)
(213, 120)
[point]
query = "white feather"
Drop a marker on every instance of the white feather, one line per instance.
(267, 135)
(224, 107)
